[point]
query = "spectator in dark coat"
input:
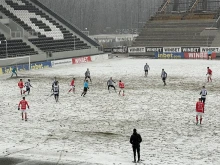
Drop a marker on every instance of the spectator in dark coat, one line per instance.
(135, 140)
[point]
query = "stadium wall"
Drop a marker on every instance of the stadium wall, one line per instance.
(175, 52)
(54, 56)
(54, 63)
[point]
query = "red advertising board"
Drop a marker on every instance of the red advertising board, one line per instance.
(81, 60)
(202, 55)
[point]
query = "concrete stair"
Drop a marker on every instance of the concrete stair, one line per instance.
(175, 33)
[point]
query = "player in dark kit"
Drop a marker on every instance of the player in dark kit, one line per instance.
(87, 75)
(56, 91)
(28, 86)
(146, 68)
(110, 83)
(135, 140)
(164, 76)
(203, 94)
(54, 81)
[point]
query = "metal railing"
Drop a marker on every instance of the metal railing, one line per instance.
(218, 22)
(164, 6)
(194, 4)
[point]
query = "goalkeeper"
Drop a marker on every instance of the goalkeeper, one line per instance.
(14, 71)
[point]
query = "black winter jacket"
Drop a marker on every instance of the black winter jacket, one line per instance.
(135, 139)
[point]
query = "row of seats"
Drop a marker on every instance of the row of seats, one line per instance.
(60, 49)
(16, 46)
(17, 50)
(45, 31)
(37, 25)
(174, 33)
(2, 37)
(50, 40)
(70, 26)
(17, 54)
(60, 44)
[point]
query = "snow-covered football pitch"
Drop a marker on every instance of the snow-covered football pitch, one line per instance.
(96, 129)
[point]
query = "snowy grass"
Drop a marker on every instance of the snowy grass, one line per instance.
(96, 129)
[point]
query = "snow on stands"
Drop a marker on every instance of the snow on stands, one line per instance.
(96, 129)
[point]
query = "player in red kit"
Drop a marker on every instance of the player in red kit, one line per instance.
(21, 86)
(23, 104)
(72, 84)
(199, 111)
(209, 73)
(121, 86)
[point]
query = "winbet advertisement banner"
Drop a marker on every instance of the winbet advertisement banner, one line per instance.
(190, 49)
(202, 55)
(175, 55)
(81, 60)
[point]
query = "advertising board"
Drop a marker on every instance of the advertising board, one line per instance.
(136, 50)
(171, 49)
(81, 60)
(169, 55)
(61, 62)
(154, 49)
(212, 49)
(202, 55)
(190, 49)
(25, 67)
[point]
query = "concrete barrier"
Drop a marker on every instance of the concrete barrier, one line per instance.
(25, 67)
(100, 57)
(54, 63)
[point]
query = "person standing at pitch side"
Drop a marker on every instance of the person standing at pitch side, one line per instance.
(135, 140)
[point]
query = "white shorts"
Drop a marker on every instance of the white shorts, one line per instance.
(199, 113)
(73, 87)
(209, 76)
(23, 111)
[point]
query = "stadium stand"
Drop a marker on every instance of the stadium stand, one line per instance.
(164, 5)
(174, 28)
(174, 33)
(16, 47)
(47, 30)
(73, 28)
